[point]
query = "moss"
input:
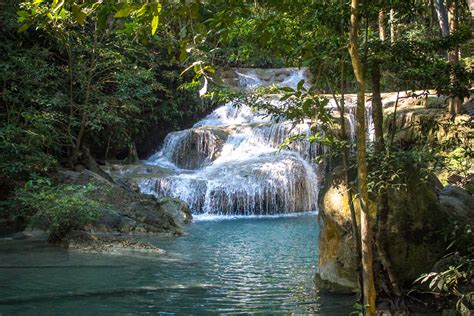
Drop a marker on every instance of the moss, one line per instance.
(414, 229)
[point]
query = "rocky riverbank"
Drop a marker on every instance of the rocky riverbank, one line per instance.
(125, 213)
(422, 211)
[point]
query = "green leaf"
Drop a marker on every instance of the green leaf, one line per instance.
(287, 89)
(22, 16)
(142, 10)
(306, 105)
(124, 12)
(79, 15)
(154, 24)
(183, 54)
(300, 85)
(23, 28)
(157, 9)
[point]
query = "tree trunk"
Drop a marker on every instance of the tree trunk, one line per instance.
(365, 221)
(350, 192)
(382, 15)
(84, 110)
(383, 208)
(350, 195)
(453, 55)
(377, 110)
(132, 153)
(442, 14)
(393, 26)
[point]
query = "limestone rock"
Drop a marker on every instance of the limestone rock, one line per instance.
(177, 209)
(418, 215)
(336, 269)
(457, 203)
(195, 148)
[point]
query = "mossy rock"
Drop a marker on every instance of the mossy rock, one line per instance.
(415, 230)
(127, 211)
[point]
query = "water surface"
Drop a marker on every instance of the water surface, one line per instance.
(220, 266)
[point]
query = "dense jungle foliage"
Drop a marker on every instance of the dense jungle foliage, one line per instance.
(82, 82)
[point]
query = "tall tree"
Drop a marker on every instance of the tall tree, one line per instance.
(362, 174)
(383, 208)
(393, 24)
(442, 14)
(453, 54)
(448, 18)
(377, 112)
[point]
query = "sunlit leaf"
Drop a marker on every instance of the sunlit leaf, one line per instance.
(124, 12)
(154, 24)
(58, 6)
(142, 10)
(79, 15)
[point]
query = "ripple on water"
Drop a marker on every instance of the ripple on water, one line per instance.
(241, 265)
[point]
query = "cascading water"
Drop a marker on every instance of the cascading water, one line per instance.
(230, 162)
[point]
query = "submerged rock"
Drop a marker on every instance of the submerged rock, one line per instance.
(85, 242)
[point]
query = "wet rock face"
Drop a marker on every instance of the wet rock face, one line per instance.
(415, 241)
(178, 209)
(194, 148)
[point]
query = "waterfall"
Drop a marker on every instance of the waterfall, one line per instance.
(230, 161)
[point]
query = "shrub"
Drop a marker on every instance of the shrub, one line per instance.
(59, 209)
(453, 276)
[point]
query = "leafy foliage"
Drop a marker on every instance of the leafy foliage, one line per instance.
(58, 208)
(453, 279)
(76, 75)
(393, 168)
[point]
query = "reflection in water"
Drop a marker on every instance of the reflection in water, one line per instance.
(235, 265)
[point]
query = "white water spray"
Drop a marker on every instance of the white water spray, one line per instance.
(230, 163)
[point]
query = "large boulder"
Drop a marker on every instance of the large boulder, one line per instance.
(458, 203)
(178, 209)
(418, 218)
(196, 147)
(128, 211)
(337, 265)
